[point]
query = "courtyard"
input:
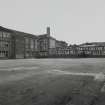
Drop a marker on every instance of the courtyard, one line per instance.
(52, 81)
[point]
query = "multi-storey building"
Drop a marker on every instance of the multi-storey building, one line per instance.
(25, 45)
(67, 51)
(83, 50)
(61, 44)
(96, 49)
(5, 43)
(46, 44)
(16, 44)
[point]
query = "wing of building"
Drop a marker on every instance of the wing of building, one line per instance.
(15, 44)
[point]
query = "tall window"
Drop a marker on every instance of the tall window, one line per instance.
(26, 42)
(0, 34)
(31, 43)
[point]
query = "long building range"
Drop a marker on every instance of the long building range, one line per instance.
(15, 44)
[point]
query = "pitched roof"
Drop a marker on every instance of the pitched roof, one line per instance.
(17, 32)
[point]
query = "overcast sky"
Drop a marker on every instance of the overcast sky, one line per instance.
(74, 21)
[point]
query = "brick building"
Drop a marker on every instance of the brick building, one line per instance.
(15, 44)
(95, 49)
(5, 43)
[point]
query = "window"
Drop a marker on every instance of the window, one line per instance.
(0, 34)
(4, 53)
(31, 43)
(8, 35)
(4, 35)
(27, 43)
(35, 44)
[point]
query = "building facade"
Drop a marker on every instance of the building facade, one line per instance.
(5, 43)
(93, 49)
(15, 44)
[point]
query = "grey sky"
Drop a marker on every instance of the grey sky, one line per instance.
(74, 21)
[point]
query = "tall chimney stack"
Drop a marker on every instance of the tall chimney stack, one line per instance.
(48, 31)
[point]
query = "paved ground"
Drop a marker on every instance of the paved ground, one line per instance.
(22, 68)
(75, 65)
(52, 82)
